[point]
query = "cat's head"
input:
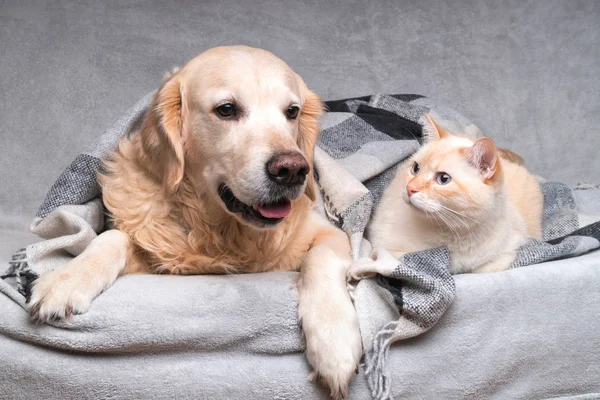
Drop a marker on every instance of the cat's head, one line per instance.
(451, 174)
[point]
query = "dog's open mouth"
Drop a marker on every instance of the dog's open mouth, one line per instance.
(267, 213)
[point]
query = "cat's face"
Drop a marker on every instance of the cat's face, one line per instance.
(451, 175)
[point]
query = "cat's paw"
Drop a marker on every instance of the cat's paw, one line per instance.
(58, 294)
(381, 262)
(363, 268)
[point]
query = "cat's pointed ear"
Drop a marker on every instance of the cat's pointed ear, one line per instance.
(431, 130)
(484, 156)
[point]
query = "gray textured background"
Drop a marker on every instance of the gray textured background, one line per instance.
(525, 72)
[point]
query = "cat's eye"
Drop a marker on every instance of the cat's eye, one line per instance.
(415, 168)
(292, 112)
(443, 178)
(226, 110)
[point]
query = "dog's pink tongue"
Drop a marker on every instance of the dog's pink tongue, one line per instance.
(275, 210)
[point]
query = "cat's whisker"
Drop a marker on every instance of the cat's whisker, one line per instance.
(458, 217)
(451, 221)
(469, 235)
(458, 213)
(449, 224)
(411, 134)
(451, 217)
(461, 220)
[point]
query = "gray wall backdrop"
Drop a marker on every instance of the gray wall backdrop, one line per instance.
(525, 71)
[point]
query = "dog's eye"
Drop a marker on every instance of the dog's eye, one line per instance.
(415, 168)
(443, 178)
(292, 112)
(226, 110)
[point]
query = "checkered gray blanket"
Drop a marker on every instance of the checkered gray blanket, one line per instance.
(362, 142)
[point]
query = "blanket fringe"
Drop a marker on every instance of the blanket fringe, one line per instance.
(586, 186)
(18, 268)
(378, 377)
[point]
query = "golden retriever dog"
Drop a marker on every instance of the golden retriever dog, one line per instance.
(219, 180)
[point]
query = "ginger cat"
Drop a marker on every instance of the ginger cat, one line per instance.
(468, 196)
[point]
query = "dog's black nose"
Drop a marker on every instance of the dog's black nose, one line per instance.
(288, 169)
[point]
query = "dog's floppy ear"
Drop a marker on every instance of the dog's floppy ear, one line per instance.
(161, 133)
(308, 133)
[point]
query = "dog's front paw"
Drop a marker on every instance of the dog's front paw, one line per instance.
(333, 349)
(57, 294)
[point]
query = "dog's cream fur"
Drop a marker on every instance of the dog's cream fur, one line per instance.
(161, 188)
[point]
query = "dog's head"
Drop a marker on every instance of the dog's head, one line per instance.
(241, 126)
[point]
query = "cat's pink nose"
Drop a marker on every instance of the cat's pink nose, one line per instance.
(410, 190)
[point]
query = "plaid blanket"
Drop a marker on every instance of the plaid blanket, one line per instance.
(362, 142)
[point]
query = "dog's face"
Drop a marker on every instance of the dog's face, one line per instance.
(246, 127)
